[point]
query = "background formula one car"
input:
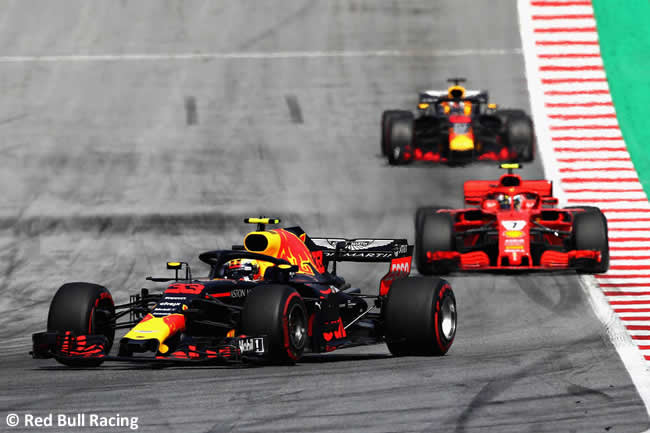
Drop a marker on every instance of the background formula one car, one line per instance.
(456, 125)
(271, 298)
(513, 225)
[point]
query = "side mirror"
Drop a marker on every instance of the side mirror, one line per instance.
(473, 201)
(280, 273)
(174, 265)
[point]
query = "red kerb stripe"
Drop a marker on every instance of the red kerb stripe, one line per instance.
(582, 104)
(566, 42)
(638, 328)
(577, 92)
(582, 116)
(602, 179)
(625, 248)
(590, 149)
(625, 211)
(632, 310)
(571, 160)
(629, 229)
(608, 200)
(571, 127)
(568, 56)
(565, 30)
(632, 302)
(563, 17)
(630, 267)
(626, 285)
(571, 68)
(602, 190)
(626, 276)
(569, 138)
(629, 258)
(635, 239)
(635, 318)
(556, 3)
(581, 170)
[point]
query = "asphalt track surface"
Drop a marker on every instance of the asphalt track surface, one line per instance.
(112, 166)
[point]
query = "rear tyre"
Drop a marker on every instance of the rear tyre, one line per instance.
(519, 133)
(400, 134)
(435, 233)
(279, 313)
(386, 118)
(590, 233)
(83, 309)
(420, 317)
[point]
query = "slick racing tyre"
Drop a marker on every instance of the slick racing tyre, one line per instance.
(400, 136)
(518, 133)
(420, 317)
(435, 232)
(590, 233)
(83, 308)
(386, 119)
(421, 212)
(279, 313)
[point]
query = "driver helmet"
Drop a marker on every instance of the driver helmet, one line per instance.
(456, 92)
(504, 201)
(242, 269)
(517, 201)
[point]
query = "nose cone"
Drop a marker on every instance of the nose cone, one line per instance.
(156, 328)
(461, 143)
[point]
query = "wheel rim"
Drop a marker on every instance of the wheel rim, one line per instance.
(296, 325)
(448, 318)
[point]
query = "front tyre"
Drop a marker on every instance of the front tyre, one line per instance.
(420, 317)
(386, 119)
(279, 313)
(519, 133)
(433, 232)
(400, 134)
(590, 233)
(83, 309)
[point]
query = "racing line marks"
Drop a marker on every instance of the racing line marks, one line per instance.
(191, 115)
(294, 108)
(578, 134)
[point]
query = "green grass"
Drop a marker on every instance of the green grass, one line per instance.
(624, 32)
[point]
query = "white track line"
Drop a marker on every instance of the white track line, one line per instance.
(257, 55)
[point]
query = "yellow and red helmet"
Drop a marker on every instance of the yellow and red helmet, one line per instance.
(456, 92)
(242, 269)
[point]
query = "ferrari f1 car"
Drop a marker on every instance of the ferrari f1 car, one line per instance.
(271, 299)
(456, 126)
(512, 224)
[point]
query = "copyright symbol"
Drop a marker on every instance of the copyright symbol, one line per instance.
(13, 420)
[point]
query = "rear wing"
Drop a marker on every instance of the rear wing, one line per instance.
(434, 96)
(475, 190)
(360, 250)
(397, 252)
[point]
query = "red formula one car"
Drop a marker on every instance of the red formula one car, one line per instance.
(456, 125)
(513, 224)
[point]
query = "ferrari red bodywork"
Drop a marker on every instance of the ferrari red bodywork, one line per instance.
(510, 224)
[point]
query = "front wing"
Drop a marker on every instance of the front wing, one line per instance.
(479, 260)
(91, 349)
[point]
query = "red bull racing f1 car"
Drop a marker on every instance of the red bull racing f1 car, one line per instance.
(456, 126)
(512, 224)
(272, 299)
